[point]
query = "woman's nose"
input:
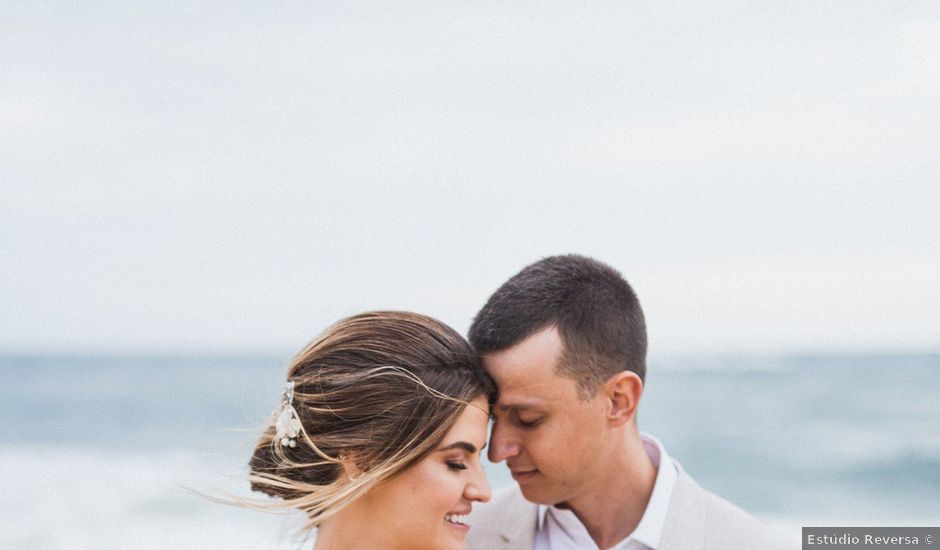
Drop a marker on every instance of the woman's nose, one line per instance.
(479, 487)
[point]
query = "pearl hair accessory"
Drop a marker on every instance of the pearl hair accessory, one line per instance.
(287, 424)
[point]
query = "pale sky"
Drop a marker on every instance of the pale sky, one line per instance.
(232, 179)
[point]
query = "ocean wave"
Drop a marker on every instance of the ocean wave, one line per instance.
(83, 498)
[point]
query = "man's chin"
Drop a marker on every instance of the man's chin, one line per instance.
(539, 494)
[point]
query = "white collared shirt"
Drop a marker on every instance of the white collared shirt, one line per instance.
(560, 529)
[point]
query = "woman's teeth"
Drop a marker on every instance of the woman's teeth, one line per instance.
(454, 518)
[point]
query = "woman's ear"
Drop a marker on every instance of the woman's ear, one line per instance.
(623, 391)
(350, 466)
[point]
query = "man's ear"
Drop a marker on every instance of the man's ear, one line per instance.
(623, 391)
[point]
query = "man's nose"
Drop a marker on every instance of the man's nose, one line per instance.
(503, 444)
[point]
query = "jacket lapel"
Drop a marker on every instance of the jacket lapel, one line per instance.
(685, 521)
(518, 535)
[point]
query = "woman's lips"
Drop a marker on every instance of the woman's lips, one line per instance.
(458, 526)
(458, 522)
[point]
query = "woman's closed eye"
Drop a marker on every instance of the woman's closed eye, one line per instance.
(456, 466)
(458, 453)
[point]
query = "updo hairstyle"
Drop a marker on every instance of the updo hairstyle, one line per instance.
(377, 391)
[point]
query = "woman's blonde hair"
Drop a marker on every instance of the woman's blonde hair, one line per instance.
(377, 391)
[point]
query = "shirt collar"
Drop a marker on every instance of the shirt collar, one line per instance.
(650, 528)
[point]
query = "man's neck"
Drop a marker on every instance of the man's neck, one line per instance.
(612, 510)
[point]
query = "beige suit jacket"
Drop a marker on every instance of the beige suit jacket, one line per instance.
(696, 520)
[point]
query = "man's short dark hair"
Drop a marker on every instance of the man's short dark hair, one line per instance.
(594, 309)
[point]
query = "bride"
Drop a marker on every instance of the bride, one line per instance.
(378, 435)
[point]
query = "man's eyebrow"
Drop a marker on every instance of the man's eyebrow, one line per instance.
(469, 447)
(521, 406)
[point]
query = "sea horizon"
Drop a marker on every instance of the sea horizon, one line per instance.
(106, 451)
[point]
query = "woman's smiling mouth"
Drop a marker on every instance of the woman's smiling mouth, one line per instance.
(457, 521)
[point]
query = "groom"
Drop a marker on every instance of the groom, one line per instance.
(565, 340)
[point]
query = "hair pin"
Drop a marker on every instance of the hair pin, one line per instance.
(287, 424)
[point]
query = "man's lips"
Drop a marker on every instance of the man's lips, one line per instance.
(523, 475)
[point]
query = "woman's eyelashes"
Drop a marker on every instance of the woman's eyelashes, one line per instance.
(456, 465)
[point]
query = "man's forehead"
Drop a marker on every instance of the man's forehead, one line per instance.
(526, 383)
(512, 364)
(535, 394)
(538, 353)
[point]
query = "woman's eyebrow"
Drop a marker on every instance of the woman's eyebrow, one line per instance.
(469, 447)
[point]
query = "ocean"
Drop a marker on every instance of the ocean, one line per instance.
(119, 452)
